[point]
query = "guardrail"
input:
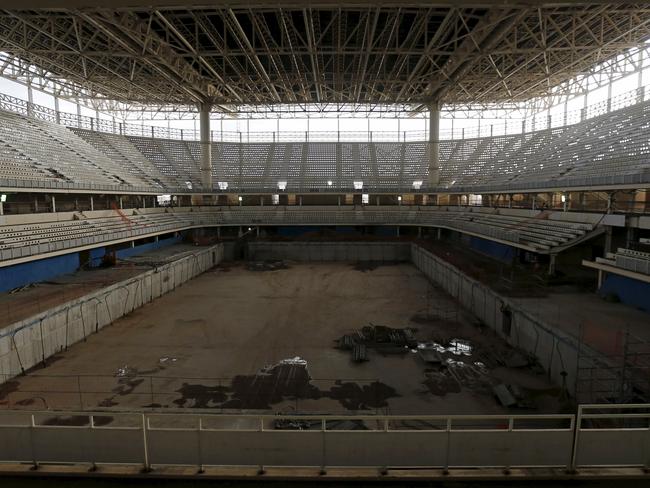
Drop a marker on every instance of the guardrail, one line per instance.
(456, 441)
(539, 121)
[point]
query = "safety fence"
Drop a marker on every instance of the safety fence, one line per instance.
(598, 436)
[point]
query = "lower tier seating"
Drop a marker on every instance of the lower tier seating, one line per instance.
(542, 232)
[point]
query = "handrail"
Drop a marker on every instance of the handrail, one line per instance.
(320, 442)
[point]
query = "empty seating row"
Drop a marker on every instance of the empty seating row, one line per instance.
(528, 231)
(596, 151)
(631, 260)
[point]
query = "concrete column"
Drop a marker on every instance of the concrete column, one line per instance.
(30, 100)
(601, 276)
(630, 236)
(434, 144)
(551, 265)
(610, 202)
(92, 203)
(53, 204)
(56, 110)
(608, 239)
(2, 208)
(206, 147)
(121, 204)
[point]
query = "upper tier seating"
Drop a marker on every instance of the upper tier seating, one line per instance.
(606, 150)
(56, 153)
(172, 158)
(124, 153)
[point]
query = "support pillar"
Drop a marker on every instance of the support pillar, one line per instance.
(2, 208)
(610, 203)
(53, 204)
(57, 112)
(92, 203)
(551, 265)
(206, 147)
(30, 100)
(434, 144)
(608, 239)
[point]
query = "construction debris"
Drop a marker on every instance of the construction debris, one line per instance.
(21, 288)
(125, 371)
(266, 265)
(504, 395)
(383, 339)
(512, 396)
(359, 353)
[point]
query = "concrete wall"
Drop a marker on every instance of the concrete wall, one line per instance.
(555, 350)
(31, 341)
(330, 251)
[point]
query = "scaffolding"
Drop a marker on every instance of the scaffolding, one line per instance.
(613, 366)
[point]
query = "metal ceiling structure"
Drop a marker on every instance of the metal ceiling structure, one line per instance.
(238, 54)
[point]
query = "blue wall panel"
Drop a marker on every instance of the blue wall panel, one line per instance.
(42, 270)
(629, 291)
(497, 250)
(46, 269)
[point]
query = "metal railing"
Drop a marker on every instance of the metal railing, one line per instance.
(540, 121)
(152, 440)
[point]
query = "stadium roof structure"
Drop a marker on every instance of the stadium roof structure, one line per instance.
(263, 53)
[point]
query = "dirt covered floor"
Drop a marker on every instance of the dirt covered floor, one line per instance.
(239, 338)
(24, 302)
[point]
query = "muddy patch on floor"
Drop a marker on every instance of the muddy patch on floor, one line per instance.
(365, 266)
(287, 380)
(190, 322)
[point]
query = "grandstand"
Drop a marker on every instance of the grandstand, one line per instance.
(430, 256)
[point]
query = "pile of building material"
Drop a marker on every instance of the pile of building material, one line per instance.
(381, 338)
(266, 265)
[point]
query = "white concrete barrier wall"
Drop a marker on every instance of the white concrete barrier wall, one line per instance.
(330, 251)
(556, 351)
(26, 343)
